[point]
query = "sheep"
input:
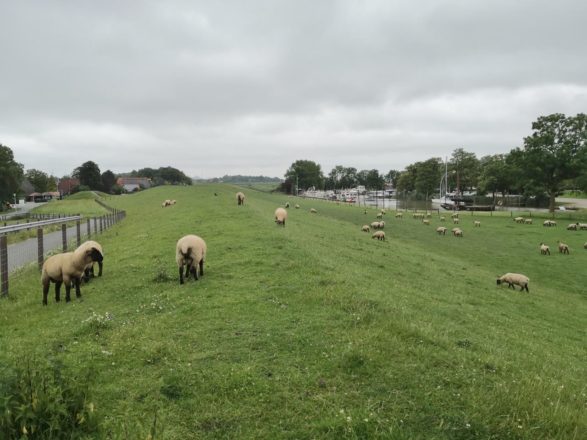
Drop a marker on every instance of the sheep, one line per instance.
(572, 227)
(582, 226)
(379, 235)
(383, 211)
(379, 215)
(287, 204)
(454, 215)
(297, 206)
(527, 221)
(313, 211)
(67, 268)
(457, 232)
(172, 202)
(190, 252)
(441, 230)
(519, 219)
(442, 218)
(375, 225)
(428, 215)
(418, 215)
(89, 270)
(585, 245)
(425, 221)
(381, 224)
(477, 223)
(166, 203)
(280, 216)
(549, 223)
(240, 198)
(455, 221)
(563, 248)
(544, 249)
(514, 278)
(399, 215)
(365, 228)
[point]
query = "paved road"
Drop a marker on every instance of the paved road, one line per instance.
(579, 203)
(21, 209)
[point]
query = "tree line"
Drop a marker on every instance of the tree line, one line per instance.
(552, 158)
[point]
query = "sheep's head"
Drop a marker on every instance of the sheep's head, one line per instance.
(94, 254)
(498, 281)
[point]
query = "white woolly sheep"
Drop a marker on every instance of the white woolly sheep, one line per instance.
(585, 245)
(563, 248)
(287, 204)
(297, 206)
(166, 203)
(582, 226)
(375, 225)
(544, 249)
(313, 211)
(457, 232)
(190, 252)
(477, 223)
(379, 215)
(519, 219)
(442, 218)
(172, 202)
(514, 278)
(572, 227)
(441, 230)
(381, 224)
(527, 221)
(366, 228)
(425, 221)
(399, 215)
(454, 215)
(280, 216)
(379, 235)
(549, 223)
(455, 220)
(89, 270)
(240, 198)
(67, 268)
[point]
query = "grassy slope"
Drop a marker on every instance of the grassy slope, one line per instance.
(315, 330)
(80, 203)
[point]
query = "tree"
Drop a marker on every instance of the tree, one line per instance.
(11, 174)
(374, 180)
(89, 175)
(498, 174)
(392, 176)
(173, 176)
(39, 179)
(555, 151)
(306, 173)
(341, 177)
(406, 182)
(466, 167)
(427, 176)
(108, 180)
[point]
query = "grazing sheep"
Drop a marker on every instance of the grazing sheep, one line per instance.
(365, 228)
(514, 278)
(455, 220)
(457, 232)
(519, 219)
(563, 248)
(383, 211)
(313, 211)
(297, 206)
(190, 252)
(280, 216)
(418, 215)
(527, 221)
(582, 226)
(425, 221)
(442, 219)
(428, 215)
(379, 235)
(454, 215)
(381, 224)
(166, 203)
(477, 223)
(375, 225)
(89, 270)
(379, 215)
(441, 230)
(67, 268)
(544, 249)
(172, 202)
(585, 245)
(240, 198)
(549, 223)
(399, 215)
(287, 204)
(572, 227)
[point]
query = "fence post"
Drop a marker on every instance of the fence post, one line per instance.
(101, 223)
(95, 225)
(64, 236)
(89, 229)
(3, 265)
(40, 250)
(78, 232)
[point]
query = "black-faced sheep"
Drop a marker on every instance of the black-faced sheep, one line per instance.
(190, 252)
(379, 235)
(549, 223)
(441, 230)
(544, 249)
(67, 268)
(527, 221)
(287, 204)
(399, 215)
(457, 232)
(280, 216)
(477, 223)
(365, 228)
(240, 198)
(572, 227)
(563, 248)
(89, 270)
(514, 278)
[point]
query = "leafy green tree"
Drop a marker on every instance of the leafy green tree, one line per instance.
(427, 176)
(39, 179)
(308, 174)
(406, 181)
(11, 174)
(89, 175)
(392, 176)
(497, 174)
(374, 180)
(466, 170)
(108, 181)
(555, 151)
(341, 177)
(173, 176)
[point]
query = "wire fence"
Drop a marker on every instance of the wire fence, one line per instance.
(72, 231)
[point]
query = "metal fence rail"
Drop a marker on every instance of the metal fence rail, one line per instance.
(22, 253)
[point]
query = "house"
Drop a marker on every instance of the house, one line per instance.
(131, 184)
(42, 197)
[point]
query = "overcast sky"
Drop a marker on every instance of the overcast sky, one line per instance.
(248, 87)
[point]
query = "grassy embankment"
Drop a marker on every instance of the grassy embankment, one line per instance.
(315, 330)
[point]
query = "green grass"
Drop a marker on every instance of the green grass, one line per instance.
(81, 203)
(315, 330)
(575, 194)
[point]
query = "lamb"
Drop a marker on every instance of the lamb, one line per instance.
(563, 248)
(190, 252)
(240, 198)
(365, 228)
(89, 270)
(67, 268)
(280, 216)
(399, 215)
(477, 223)
(313, 211)
(544, 249)
(572, 227)
(514, 278)
(457, 232)
(441, 230)
(379, 235)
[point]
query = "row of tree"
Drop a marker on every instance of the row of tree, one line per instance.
(553, 157)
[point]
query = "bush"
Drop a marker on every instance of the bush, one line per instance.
(43, 401)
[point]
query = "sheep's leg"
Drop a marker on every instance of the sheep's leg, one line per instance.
(100, 265)
(45, 291)
(58, 290)
(67, 291)
(180, 274)
(194, 270)
(87, 275)
(201, 267)
(526, 287)
(512, 286)
(187, 272)
(77, 282)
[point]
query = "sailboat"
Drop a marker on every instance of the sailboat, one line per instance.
(448, 201)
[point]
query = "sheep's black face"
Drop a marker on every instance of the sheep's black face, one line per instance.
(96, 255)
(498, 281)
